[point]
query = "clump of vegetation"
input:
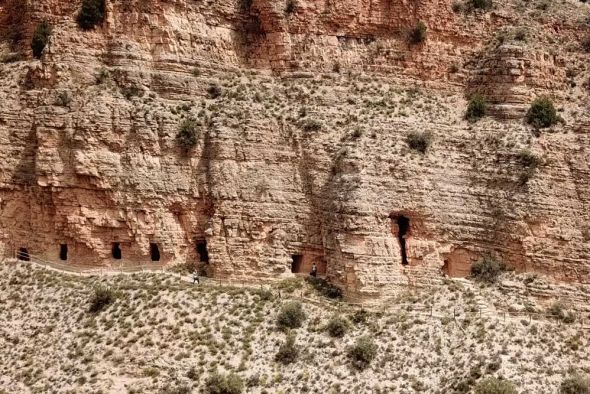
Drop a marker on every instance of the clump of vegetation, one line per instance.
(187, 135)
(362, 352)
(542, 113)
(291, 315)
(288, 351)
(91, 14)
(575, 384)
(214, 91)
(529, 162)
(419, 141)
(324, 287)
(218, 383)
(361, 316)
(312, 125)
(418, 33)
(559, 312)
(41, 38)
(291, 7)
(102, 76)
(476, 109)
(290, 285)
(487, 269)
(63, 99)
(481, 4)
(495, 386)
(337, 327)
(101, 298)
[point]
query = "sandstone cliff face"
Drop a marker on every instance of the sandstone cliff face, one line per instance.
(304, 153)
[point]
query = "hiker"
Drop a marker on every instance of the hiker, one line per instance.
(314, 270)
(196, 278)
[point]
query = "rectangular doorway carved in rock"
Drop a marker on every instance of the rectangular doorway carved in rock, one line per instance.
(116, 251)
(202, 251)
(296, 261)
(154, 252)
(63, 252)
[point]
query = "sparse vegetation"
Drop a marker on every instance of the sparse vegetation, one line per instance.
(575, 384)
(101, 298)
(63, 99)
(362, 352)
(529, 162)
(418, 33)
(487, 269)
(337, 327)
(542, 113)
(419, 141)
(91, 14)
(214, 91)
(187, 135)
(476, 109)
(481, 4)
(218, 383)
(495, 386)
(558, 311)
(288, 351)
(291, 315)
(290, 7)
(41, 38)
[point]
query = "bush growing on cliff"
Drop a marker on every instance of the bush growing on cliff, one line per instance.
(559, 312)
(337, 327)
(481, 4)
(476, 109)
(419, 141)
(187, 135)
(101, 298)
(41, 38)
(542, 113)
(290, 7)
(575, 384)
(487, 269)
(529, 162)
(291, 315)
(418, 33)
(495, 386)
(362, 352)
(217, 383)
(91, 14)
(288, 351)
(214, 91)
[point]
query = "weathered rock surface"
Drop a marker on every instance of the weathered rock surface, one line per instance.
(305, 152)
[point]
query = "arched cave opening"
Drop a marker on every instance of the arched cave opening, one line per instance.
(63, 252)
(403, 226)
(154, 252)
(116, 251)
(202, 251)
(23, 254)
(296, 260)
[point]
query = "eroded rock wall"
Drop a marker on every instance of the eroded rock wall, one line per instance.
(305, 151)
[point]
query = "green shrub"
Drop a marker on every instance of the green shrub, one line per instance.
(419, 141)
(187, 135)
(291, 315)
(217, 383)
(418, 33)
(361, 316)
(559, 312)
(288, 351)
(362, 352)
(529, 162)
(481, 4)
(41, 38)
(575, 384)
(495, 386)
(476, 109)
(487, 269)
(542, 113)
(100, 299)
(324, 287)
(290, 7)
(337, 327)
(214, 91)
(91, 14)
(312, 125)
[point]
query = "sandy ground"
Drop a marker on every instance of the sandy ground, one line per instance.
(163, 334)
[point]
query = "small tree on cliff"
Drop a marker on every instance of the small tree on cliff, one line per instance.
(542, 113)
(91, 14)
(418, 33)
(187, 135)
(40, 38)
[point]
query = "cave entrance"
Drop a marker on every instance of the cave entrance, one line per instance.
(154, 252)
(403, 229)
(23, 254)
(116, 251)
(202, 251)
(296, 263)
(63, 252)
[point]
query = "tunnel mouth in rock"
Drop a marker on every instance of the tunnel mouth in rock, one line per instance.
(23, 254)
(202, 251)
(296, 263)
(63, 252)
(116, 251)
(154, 252)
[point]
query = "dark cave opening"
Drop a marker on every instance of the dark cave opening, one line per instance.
(23, 254)
(403, 225)
(154, 252)
(202, 251)
(116, 251)
(63, 252)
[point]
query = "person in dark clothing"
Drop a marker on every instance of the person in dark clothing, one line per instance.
(196, 278)
(314, 270)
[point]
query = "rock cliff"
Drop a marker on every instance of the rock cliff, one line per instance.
(302, 112)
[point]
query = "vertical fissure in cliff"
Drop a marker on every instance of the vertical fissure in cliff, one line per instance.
(403, 226)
